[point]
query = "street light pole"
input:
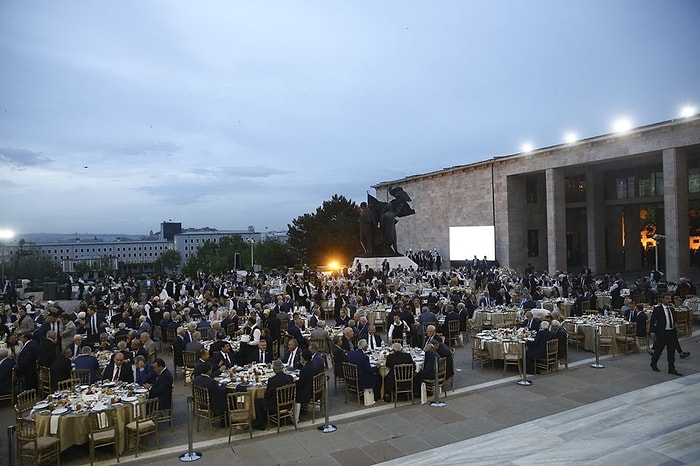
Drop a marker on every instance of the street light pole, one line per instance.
(252, 244)
(656, 249)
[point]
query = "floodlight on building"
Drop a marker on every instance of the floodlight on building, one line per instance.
(526, 147)
(570, 138)
(688, 111)
(622, 125)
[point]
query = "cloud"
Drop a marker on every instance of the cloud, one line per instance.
(22, 158)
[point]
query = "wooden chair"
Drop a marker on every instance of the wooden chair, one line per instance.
(33, 447)
(586, 306)
(628, 338)
(513, 355)
(45, 381)
(103, 431)
(378, 321)
(166, 414)
(202, 407)
(25, 402)
(338, 372)
(68, 385)
(452, 332)
(119, 338)
(81, 374)
(152, 356)
(352, 382)
(441, 379)
(563, 355)
(574, 337)
(240, 412)
(684, 322)
(318, 395)
(396, 340)
(509, 318)
(145, 423)
(403, 381)
(275, 349)
(285, 397)
(189, 358)
(478, 354)
(607, 338)
(166, 341)
(551, 361)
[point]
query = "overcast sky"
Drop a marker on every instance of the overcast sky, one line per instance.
(117, 115)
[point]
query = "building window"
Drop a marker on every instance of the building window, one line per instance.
(533, 243)
(694, 180)
(531, 190)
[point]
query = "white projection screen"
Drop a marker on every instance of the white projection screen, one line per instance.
(465, 242)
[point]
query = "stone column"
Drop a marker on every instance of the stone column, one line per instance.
(633, 243)
(556, 220)
(675, 215)
(595, 218)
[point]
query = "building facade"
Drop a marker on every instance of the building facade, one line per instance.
(613, 203)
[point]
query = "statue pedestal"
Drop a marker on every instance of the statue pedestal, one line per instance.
(375, 263)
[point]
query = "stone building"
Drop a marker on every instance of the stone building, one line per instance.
(597, 202)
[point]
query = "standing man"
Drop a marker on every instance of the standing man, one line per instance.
(663, 324)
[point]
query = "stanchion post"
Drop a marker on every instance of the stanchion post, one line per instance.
(11, 432)
(190, 455)
(328, 427)
(596, 343)
(523, 380)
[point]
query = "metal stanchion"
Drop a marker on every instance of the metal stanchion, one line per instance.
(190, 455)
(596, 343)
(11, 431)
(436, 390)
(327, 427)
(524, 380)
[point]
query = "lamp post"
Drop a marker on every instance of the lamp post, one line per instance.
(4, 235)
(656, 249)
(252, 245)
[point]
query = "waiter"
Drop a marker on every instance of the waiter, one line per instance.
(663, 324)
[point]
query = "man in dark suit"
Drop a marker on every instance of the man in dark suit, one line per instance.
(374, 341)
(145, 372)
(94, 325)
(217, 393)
(262, 355)
(223, 359)
(48, 349)
(118, 371)
(292, 357)
(26, 362)
(6, 365)
(367, 376)
(269, 402)
(294, 331)
(428, 370)
(537, 349)
(60, 368)
(663, 325)
(162, 387)
(394, 359)
(531, 322)
(306, 375)
(178, 348)
(86, 360)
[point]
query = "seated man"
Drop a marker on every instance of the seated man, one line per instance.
(60, 368)
(217, 393)
(537, 349)
(117, 370)
(86, 360)
(561, 335)
(306, 375)
(6, 365)
(367, 376)
(394, 359)
(428, 370)
(162, 386)
(145, 373)
(269, 402)
(374, 340)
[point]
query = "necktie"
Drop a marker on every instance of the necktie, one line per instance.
(262, 356)
(290, 362)
(371, 342)
(669, 318)
(94, 323)
(116, 374)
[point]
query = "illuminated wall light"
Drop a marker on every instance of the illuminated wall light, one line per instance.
(688, 111)
(622, 125)
(527, 147)
(570, 138)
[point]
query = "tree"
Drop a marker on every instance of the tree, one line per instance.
(171, 259)
(30, 263)
(329, 234)
(216, 257)
(272, 253)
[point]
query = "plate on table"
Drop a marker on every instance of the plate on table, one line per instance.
(42, 405)
(129, 399)
(109, 384)
(140, 390)
(59, 411)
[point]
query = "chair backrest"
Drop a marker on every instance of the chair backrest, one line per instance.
(632, 329)
(318, 384)
(102, 421)
(513, 348)
(607, 331)
(350, 373)
(286, 396)
(146, 410)
(321, 342)
(83, 375)
(68, 384)
(189, 358)
(201, 398)
(239, 404)
(275, 349)
(152, 356)
(26, 400)
(442, 369)
(552, 348)
(26, 431)
(119, 338)
(509, 318)
(453, 327)
(404, 372)
(476, 344)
